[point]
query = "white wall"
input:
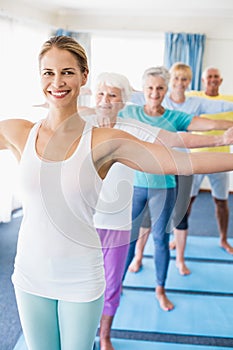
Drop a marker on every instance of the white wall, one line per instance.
(219, 53)
(219, 31)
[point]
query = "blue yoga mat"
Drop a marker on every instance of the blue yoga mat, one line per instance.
(198, 247)
(205, 277)
(193, 314)
(126, 344)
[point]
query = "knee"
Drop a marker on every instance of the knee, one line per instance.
(183, 225)
(161, 241)
(221, 204)
(192, 199)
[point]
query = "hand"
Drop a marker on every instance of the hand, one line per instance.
(228, 136)
(104, 121)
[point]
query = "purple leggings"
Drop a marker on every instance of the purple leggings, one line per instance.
(115, 245)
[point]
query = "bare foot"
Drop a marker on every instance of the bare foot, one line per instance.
(106, 344)
(183, 269)
(172, 245)
(164, 302)
(135, 265)
(228, 248)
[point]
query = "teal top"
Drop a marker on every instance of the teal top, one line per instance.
(171, 120)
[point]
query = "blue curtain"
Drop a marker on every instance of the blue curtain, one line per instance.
(84, 39)
(62, 31)
(186, 48)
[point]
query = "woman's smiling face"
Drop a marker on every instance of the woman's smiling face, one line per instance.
(179, 81)
(61, 77)
(154, 90)
(108, 101)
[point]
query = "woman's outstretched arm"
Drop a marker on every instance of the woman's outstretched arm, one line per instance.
(117, 146)
(13, 135)
(205, 124)
(189, 140)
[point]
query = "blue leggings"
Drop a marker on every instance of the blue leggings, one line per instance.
(51, 324)
(161, 203)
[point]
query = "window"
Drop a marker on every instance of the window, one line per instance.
(19, 90)
(20, 87)
(128, 54)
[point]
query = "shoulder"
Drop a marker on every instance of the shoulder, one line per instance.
(104, 134)
(173, 113)
(141, 130)
(110, 138)
(15, 127)
(178, 118)
(14, 134)
(228, 98)
(194, 98)
(137, 98)
(196, 102)
(130, 108)
(195, 93)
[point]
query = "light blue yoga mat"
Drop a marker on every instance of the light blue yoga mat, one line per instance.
(198, 247)
(193, 314)
(126, 344)
(21, 344)
(206, 277)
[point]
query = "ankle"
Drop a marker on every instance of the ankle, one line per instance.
(106, 344)
(160, 290)
(105, 327)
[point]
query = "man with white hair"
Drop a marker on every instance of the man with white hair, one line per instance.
(114, 209)
(212, 80)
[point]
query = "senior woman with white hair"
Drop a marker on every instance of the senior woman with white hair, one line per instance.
(114, 208)
(112, 218)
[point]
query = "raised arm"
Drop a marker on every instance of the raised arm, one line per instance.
(13, 135)
(157, 159)
(188, 140)
(205, 124)
(145, 131)
(212, 106)
(118, 146)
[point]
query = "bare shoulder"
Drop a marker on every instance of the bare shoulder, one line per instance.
(102, 134)
(109, 140)
(17, 122)
(14, 134)
(12, 129)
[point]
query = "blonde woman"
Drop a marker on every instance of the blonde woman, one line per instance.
(58, 274)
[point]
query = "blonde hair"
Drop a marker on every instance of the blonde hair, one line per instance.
(115, 80)
(180, 66)
(64, 42)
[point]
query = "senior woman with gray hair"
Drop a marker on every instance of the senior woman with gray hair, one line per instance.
(112, 217)
(114, 208)
(158, 192)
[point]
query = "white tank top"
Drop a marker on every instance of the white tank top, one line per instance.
(114, 207)
(59, 253)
